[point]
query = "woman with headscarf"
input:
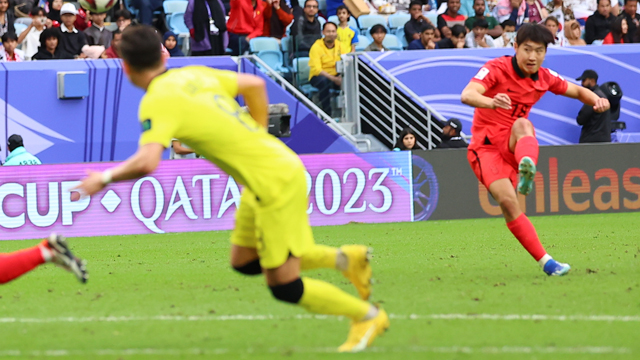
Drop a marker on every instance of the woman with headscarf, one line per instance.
(171, 44)
(207, 27)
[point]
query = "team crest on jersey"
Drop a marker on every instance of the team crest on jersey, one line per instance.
(482, 73)
(146, 125)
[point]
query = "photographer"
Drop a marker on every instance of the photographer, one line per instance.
(30, 38)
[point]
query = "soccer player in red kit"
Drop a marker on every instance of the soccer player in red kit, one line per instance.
(503, 145)
(54, 249)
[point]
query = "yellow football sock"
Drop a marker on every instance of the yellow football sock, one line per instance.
(323, 298)
(319, 257)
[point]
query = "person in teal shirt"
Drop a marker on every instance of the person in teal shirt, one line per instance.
(19, 155)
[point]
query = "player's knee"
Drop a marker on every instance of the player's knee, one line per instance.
(250, 268)
(523, 125)
(291, 292)
(509, 205)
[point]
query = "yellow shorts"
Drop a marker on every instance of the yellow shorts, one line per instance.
(277, 230)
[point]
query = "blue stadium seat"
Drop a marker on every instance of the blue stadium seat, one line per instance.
(433, 18)
(352, 21)
(263, 43)
(301, 70)
(367, 21)
(20, 28)
(174, 6)
(322, 21)
(176, 23)
(392, 42)
(401, 36)
(398, 20)
(273, 58)
(363, 42)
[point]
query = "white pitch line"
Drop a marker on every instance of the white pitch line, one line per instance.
(275, 350)
(240, 317)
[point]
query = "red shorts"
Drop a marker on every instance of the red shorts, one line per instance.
(492, 160)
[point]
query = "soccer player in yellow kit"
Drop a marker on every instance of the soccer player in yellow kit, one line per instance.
(196, 105)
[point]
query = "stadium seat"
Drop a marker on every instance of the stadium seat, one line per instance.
(285, 43)
(263, 43)
(273, 58)
(322, 21)
(398, 20)
(367, 22)
(392, 42)
(301, 70)
(352, 21)
(174, 6)
(433, 18)
(401, 36)
(177, 25)
(20, 28)
(363, 42)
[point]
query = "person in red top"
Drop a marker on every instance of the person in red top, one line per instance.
(503, 143)
(246, 22)
(450, 18)
(619, 32)
(277, 16)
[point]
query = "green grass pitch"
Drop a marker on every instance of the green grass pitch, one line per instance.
(174, 296)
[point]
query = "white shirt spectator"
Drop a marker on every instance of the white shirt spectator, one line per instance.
(471, 42)
(19, 55)
(31, 43)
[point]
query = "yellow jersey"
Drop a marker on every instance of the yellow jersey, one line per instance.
(347, 36)
(196, 105)
(322, 58)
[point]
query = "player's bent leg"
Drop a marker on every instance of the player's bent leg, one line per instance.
(320, 297)
(520, 226)
(352, 260)
(524, 145)
(245, 260)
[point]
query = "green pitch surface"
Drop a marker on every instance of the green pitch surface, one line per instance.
(454, 290)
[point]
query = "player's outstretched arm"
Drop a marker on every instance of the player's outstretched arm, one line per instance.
(254, 91)
(587, 97)
(472, 95)
(143, 162)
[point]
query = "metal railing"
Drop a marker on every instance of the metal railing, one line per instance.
(306, 101)
(384, 106)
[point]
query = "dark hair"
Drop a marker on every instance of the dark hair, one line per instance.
(9, 36)
(626, 1)
(46, 34)
(599, 1)
(14, 141)
(140, 47)
(508, 23)
(122, 13)
(552, 18)
(116, 32)
(36, 10)
(329, 23)
(377, 28)
(535, 33)
(616, 31)
(457, 30)
(406, 131)
(426, 27)
(481, 23)
(415, 3)
(342, 7)
(306, 1)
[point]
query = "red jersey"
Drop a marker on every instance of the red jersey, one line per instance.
(503, 76)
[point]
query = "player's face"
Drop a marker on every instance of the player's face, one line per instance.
(416, 11)
(478, 7)
(530, 56)
(343, 15)
(604, 8)
(409, 141)
(453, 5)
(631, 7)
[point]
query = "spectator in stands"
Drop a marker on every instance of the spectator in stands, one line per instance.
(54, 7)
(277, 16)
(414, 26)
(457, 39)
(426, 39)
(146, 9)
(573, 33)
(9, 52)
(305, 30)
(451, 135)
(97, 34)
(619, 32)
(323, 56)
(557, 9)
(112, 51)
(208, 32)
(599, 24)
(631, 15)
(18, 154)
(71, 40)
(514, 10)
(596, 127)
(508, 35)
(495, 29)
(450, 18)
(49, 47)
(30, 38)
(378, 33)
(171, 44)
(123, 18)
(406, 140)
(7, 18)
(246, 21)
(553, 25)
(347, 35)
(536, 11)
(478, 37)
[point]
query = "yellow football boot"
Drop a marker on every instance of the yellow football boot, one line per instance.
(363, 333)
(359, 269)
